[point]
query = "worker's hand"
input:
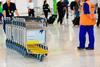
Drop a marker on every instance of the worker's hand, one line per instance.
(93, 18)
(51, 12)
(17, 12)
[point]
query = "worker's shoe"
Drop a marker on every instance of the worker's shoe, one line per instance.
(79, 48)
(87, 48)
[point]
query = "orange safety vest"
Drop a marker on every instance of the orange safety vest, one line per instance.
(87, 19)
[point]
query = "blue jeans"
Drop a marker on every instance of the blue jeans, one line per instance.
(82, 36)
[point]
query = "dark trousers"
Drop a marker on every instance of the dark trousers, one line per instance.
(61, 16)
(4, 27)
(82, 36)
(46, 14)
(1, 16)
(31, 13)
(98, 22)
(67, 12)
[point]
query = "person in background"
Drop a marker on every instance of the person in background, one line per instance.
(76, 9)
(98, 21)
(1, 10)
(87, 22)
(31, 9)
(61, 11)
(46, 9)
(77, 6)
(66, 2)
(9, 9)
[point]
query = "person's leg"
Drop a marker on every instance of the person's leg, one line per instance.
(82, 37)
(62, 14)
(90, 31)
(61, 18)
(98, 22)
(33, 15)
(4, 27)
(29, 12)
(67, 12)
(98, 19)
(45, 13)
(58, 17)
(99, 16)
(1, 17)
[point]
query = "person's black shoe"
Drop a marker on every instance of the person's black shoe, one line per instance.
(79, 48)
(60, 23)
(87, 48)
(97, 25)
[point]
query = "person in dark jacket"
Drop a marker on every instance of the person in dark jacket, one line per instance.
(46, 9)
(98, 22)
(61, 11)
(75, 6)
(9, 9)
(66, 2)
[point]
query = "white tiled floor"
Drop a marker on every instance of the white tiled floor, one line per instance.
(62, 42)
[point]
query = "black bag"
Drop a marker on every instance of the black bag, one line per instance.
(51, 19)
(76, 21)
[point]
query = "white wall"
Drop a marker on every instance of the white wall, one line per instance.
(21, 6)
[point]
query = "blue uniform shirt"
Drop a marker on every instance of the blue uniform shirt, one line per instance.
(86, 9)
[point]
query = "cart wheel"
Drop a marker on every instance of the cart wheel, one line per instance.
(38, 56)
(35, 56)
(46, 54)
(41, 58)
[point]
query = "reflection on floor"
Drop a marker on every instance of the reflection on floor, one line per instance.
(62, 41)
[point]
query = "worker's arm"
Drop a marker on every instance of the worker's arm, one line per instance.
(4, 10)
(16, 12)
(87, 11)
(15, 9)
(4, 13)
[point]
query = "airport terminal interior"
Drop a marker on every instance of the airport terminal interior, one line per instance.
(59, 41)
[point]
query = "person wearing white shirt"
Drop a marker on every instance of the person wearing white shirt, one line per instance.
(31, 9)
(98, 22)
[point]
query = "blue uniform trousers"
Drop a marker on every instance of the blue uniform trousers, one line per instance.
(82, 36)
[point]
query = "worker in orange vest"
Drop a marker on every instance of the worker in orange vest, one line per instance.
(87, 22)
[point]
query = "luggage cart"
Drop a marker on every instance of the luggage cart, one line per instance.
(28, 38)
